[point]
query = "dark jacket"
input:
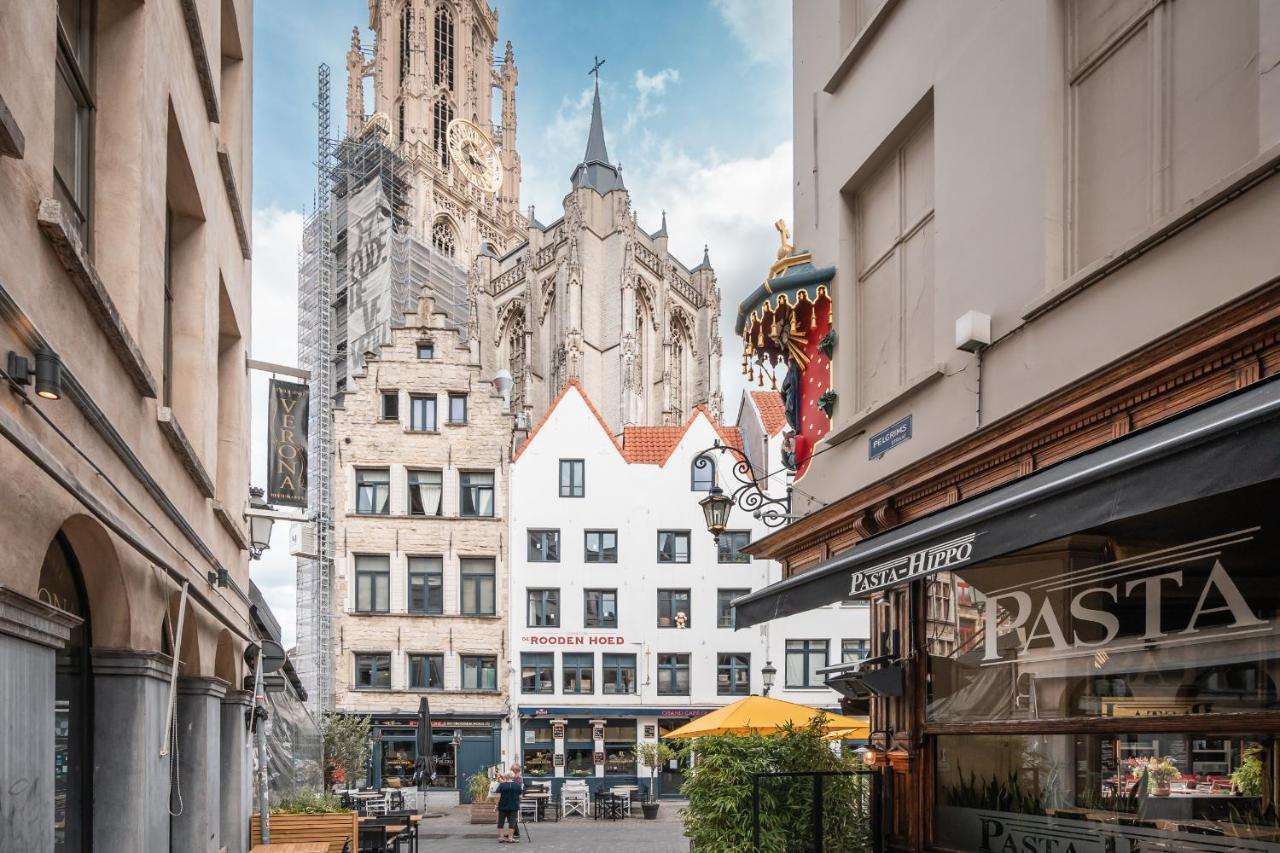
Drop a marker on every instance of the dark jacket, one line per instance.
(509, 796)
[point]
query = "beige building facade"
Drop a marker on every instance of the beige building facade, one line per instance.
(1054, 289)
(423, 455)
(125, 174)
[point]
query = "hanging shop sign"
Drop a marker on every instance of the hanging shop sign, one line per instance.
(889, 438)
(287, 443)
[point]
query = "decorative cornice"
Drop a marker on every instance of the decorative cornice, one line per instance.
(34, 621)
(200, 53)
(200, 685)
(233, 198)
(70, 251)
(177, 439)
(12, 143)
(132, 663)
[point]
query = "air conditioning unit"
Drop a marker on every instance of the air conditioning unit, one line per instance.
(302, 540)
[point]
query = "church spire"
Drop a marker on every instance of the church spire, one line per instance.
(595, 171)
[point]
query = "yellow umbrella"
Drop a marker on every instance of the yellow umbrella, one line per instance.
(765, 715)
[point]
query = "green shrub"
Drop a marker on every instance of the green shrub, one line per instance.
(308, 802)
(478, 785)
(346, 745)
(719, 788)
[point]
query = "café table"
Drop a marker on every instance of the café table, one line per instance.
(541, 798)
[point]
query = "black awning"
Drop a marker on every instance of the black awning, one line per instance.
(1220, 447)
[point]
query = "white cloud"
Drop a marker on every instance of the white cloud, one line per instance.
(276, 236)
(648, 90)
(762, 27)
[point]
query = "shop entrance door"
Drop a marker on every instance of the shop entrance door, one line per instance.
(671, 777)
(476, 754)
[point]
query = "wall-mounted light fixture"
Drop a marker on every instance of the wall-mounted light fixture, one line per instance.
(260, 522)
(48, 375)
(18, 368)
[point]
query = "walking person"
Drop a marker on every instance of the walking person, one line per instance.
(509, 791)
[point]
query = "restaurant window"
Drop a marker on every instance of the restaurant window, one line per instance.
(601, 546)
(373, 491)
(422, 412)
(733, 674)
(804, 659)
(578, 672)
(572, 478)
(724, 606)
(73, 106)
(373, 583)
(544, 608)
(673, 546)
(852, 651)
(426, 585)
(537, 673)
(426, 672)
(618, 674)
(600, 608)
(544, 546)
(457, 408)
(673, 675)
(475, 494)
(479, 672)
(425, 491)
(620, 748)
(539, 748)
(673, 608)
(373, 672)
(426, 350)
(1064, 655)
(391, 405)
(477, 576)
(579, 750)
(729, 548)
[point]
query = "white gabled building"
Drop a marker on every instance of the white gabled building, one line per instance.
(620, 628)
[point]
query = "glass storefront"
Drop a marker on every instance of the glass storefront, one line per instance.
(539, 749)
(620, 748)
(1113, 690)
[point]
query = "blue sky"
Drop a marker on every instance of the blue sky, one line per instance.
(697, 108)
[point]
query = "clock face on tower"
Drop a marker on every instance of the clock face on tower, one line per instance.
(475, 155)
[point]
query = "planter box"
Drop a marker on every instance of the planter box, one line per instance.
(333, 828)
(484, 813)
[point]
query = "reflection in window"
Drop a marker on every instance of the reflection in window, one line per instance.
(600, 608)
(373, 491)
(479, 672)
(373, 672)
(601, 546)
(578, 671)
(422, 412)
(673, 546)
(476, 494)
(426, 672)
(729, 548)
(477, 586)
(544, 608)
(537, 674)
(618, 674)
(544, 546)
(673, 675)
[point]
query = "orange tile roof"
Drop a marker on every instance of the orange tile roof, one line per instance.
(650, 445)
(573, 383)
(773, 414)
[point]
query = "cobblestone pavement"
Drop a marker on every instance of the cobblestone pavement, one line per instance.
(454, 833)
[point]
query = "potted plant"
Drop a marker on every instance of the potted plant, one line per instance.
(653, 755)
(484, 809)
(346, 746)
(1163, 771)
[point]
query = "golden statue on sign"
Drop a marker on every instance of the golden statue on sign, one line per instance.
(783, 236)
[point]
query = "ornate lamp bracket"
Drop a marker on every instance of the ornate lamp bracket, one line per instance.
(747, 494)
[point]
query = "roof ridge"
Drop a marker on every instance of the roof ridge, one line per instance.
(582, 392)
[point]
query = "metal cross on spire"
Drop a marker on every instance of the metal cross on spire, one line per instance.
(595, 69)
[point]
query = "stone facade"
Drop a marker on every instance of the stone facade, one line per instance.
(400, 445)
(595, 298)
(123, 214)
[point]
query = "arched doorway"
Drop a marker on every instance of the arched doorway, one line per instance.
(62, 585)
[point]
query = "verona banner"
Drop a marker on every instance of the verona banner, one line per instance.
(287, 444)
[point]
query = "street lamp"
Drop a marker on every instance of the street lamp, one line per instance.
(259, 524)
(767, 676)
(748, 494)
(715, 508)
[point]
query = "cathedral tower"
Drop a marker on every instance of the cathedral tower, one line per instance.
(434, 81)
(596, 298)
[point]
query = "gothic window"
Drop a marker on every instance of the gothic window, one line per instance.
(440, 133)
(677, 373)
(400, 124)
(444, 48)
(406, 20)
(443, 238)
(515, 360)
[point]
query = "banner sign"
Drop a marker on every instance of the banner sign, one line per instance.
(287, 444)
(936, 558)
